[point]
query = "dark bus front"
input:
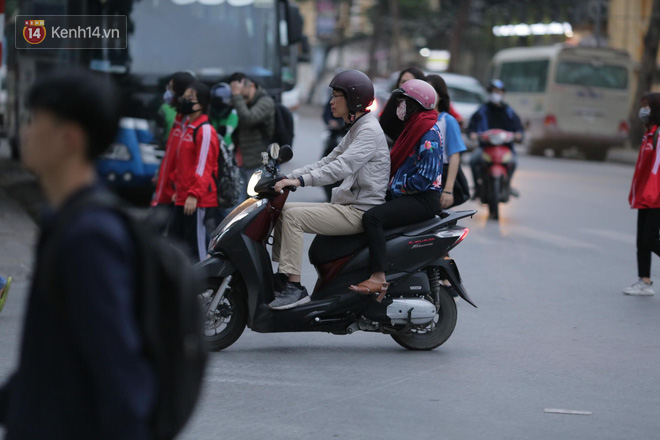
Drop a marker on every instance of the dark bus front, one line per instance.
(210, 38)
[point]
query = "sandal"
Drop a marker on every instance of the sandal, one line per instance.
(368, 287)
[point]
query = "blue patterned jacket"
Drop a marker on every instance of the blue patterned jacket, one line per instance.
(422, 170)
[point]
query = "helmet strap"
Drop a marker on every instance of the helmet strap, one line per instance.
(351, 117)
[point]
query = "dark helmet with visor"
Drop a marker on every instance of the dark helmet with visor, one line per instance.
(357, 87)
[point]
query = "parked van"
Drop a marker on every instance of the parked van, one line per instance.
(568, 96)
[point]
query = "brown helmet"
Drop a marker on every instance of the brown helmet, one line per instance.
(357, 87)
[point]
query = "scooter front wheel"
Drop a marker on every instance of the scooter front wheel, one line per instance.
(436, 333)
(494, 198)
(225, 324)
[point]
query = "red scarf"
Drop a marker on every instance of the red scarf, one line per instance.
(416, 127)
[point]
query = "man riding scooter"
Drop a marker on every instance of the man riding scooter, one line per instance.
(494, 114)
(361, 160)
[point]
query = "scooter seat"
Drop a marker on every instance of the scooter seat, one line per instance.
(327, 248)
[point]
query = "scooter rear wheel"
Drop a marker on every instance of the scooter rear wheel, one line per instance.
(224, 325)
(437, 332)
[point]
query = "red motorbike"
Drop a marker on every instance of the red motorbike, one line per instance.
(496, 160)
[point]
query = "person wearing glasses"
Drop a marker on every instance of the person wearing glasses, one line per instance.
(361, 161)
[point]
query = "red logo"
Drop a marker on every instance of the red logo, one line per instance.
(34, 31)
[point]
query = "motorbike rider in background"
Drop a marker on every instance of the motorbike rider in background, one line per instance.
(494, 114)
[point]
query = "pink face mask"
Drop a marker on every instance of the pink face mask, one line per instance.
(401, 110)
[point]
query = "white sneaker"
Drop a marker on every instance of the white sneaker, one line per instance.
(640, 288)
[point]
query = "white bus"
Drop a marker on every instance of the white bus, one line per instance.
(568, 96)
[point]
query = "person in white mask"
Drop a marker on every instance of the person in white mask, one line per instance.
(494, 114)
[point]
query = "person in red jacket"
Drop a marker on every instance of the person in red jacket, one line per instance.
(645, 196)
(193, 170)
(161, 203)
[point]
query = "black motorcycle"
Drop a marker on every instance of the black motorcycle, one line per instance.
(418, 311)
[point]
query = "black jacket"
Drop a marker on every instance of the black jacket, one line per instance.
(256, 124)
(490, 116)
(82, 373)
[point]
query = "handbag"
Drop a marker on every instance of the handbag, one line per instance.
(461, 187)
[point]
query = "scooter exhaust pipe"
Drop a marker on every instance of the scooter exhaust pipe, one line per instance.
(402, 311)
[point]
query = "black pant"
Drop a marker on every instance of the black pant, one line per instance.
(191, 230)
(400, 211)
(648, 239)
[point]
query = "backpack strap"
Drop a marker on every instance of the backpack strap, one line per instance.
(196, 129)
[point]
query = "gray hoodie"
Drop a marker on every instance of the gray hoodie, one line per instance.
(362, 160)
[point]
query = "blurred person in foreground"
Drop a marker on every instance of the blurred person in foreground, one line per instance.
(645, 196)
(393, 126)
(82, 371)
(494, 114)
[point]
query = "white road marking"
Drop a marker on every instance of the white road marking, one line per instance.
(567, 411)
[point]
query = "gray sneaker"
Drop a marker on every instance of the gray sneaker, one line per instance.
(640, 288)
(290, 297)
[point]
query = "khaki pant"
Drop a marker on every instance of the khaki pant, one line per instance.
(313, 218)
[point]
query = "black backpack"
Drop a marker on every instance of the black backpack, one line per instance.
(284, 130)
(169, 315)
(228, 178)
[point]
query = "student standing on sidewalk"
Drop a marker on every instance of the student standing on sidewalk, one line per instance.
(162, 207)
(82, 372)
(645, 196)
(195, 165)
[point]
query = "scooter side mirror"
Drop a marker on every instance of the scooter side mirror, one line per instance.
(285, 154)
(274, 151)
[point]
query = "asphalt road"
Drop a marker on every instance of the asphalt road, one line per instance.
(552, 331)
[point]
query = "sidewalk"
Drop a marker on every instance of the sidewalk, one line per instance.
(18, 231)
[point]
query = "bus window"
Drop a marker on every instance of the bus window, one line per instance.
(525, 76)
(594, 75)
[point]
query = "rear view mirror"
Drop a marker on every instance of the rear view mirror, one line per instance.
(274, 151)
(286, 153)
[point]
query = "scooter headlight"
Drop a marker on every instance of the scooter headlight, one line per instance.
(507, 157)
(252, 183)
(486, 157)
(497, 138)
